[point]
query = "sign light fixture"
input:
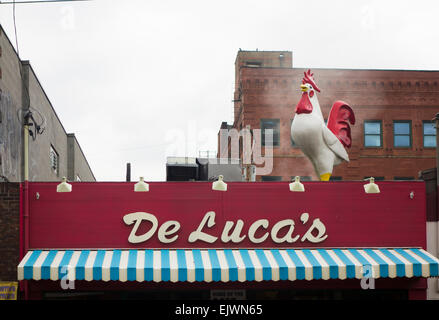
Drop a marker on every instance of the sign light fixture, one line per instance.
(64, 186)
(297, 186)
(219, 185)
(371, 187)
(141, 186)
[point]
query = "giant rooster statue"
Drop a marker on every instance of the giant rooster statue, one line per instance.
(323, 144)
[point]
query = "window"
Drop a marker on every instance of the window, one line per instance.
(272, 133)
(54, 160)
(302, 178)
(429, 134)
(335, 178)
(373, 134)
(254, 64)
(402, 134)
(271, 178)
(404, 178)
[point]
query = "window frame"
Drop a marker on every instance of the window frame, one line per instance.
(381, 134)
(410, 134)
(263, 132)
(430, 135)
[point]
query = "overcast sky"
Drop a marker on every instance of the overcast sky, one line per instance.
(137, 81)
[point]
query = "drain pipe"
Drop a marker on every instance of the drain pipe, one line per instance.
(26, 202)
(436, 118)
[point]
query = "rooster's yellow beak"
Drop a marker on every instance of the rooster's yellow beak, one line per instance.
(303, 88)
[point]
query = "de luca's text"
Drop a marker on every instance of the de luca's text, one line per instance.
(168, 231)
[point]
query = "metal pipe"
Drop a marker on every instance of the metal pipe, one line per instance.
(437, 187)
(22, 283)
(26, 152)
(26, 202)
(26, 240)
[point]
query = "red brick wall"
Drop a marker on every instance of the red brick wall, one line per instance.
(385, 95)
(9, 230)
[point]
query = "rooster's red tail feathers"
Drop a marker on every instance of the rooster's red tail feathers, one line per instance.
(338, 122)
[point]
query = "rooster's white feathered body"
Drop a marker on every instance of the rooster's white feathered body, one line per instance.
(323, 144)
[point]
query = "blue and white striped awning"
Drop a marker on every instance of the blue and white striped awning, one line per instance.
(226, 265)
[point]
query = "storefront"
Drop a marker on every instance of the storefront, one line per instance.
(253, 241)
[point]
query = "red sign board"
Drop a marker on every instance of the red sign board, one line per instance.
(248, 215)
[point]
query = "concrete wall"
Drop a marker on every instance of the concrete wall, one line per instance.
(77, 163)
(54, 135)
(21, 91)
(10, 102)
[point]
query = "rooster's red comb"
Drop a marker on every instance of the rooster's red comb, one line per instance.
(309, 79)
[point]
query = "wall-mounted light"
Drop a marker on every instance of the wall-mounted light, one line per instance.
(141, 186)
(219, 185)
(64, 186)
(371, 187)
(297, 186)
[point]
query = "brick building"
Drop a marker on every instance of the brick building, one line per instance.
(393, 137)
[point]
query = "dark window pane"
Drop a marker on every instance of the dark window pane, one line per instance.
(269, 123)
(268, 137)
(335, 178)
(372, 141)
(404, 178)
(402, 141)
(270, 132)
(302, 178)
(430, 141)
(271, 178)
(372, 127)
(429, 128)
(402, 127)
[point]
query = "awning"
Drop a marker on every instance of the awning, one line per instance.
(226, 265)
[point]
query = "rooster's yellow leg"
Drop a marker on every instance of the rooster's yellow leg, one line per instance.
(325, 177)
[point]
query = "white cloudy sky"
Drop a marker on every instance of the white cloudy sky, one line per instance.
(137, 81)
